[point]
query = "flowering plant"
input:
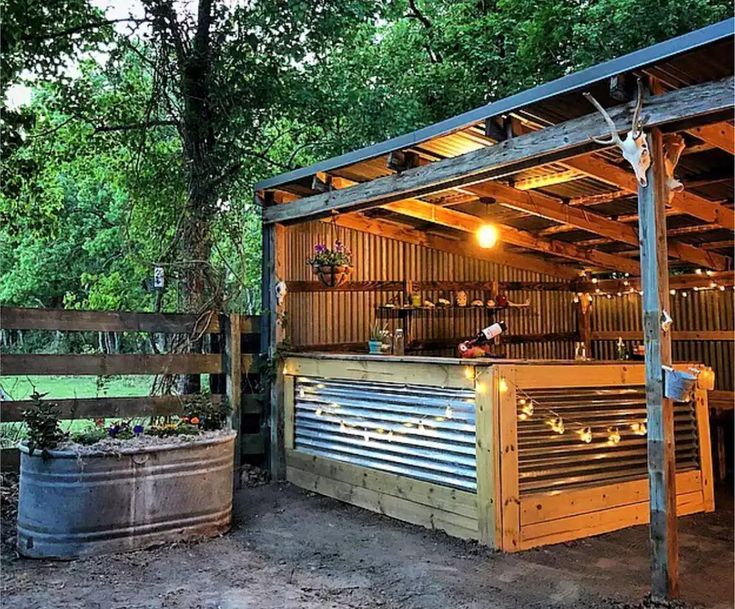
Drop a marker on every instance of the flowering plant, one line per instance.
(324, 256)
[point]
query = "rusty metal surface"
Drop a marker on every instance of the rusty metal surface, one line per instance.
(550, 461)
(72, 506)
(420, 432)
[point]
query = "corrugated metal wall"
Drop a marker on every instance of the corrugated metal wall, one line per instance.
(317, 318)
(702, 310)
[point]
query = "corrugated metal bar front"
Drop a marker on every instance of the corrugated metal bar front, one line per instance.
(552, 461)
(417, 431)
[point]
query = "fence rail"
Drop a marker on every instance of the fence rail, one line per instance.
(231, 364)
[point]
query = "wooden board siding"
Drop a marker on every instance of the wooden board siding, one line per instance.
(321, 318)
(428, 505)
(709, 310)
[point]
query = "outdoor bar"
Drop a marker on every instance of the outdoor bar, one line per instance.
(508, 328)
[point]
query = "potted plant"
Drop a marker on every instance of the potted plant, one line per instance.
(376, 338)
(123, 485)
(332, 266)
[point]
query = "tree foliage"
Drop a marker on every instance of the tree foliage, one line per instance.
(143, 142)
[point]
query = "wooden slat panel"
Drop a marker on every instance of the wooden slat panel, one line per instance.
(91, 408)
(102, 365)
(15, 318)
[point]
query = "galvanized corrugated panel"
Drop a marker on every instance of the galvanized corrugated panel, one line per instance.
(701, 310)
(318, 318)
(421, 432)
(550, 461)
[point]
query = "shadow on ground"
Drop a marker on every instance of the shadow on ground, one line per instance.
(289, 548)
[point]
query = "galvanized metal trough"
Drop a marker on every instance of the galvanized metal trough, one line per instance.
(74, 506)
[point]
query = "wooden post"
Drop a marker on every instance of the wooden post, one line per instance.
(233, 385)
(271, 336)
(661, 456)
(486, 453)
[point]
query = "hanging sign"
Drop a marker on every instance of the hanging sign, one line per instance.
(159, 278)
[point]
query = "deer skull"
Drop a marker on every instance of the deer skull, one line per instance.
(635, 145)
(280, 292)
(673, 145)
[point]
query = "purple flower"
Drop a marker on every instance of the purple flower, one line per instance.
(138, 429)
(338, 246)
(320, 248)
(113, 430)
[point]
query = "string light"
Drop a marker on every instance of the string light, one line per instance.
(613, 436)
(469, 372)
(710, 273)
(722, 288)
(697, 271)
(556, 424)
(448, 412)
(639, 429)
(318, 412)
(595, 280)
(502, 386)
(585, 434)
(684, 294)
(342, 427)
(672, 292)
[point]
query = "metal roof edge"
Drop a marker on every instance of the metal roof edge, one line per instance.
(577, 80)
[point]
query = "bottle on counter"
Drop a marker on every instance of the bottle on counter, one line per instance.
(580, 351)
(399, 344)
(622, 352)
(483, 337)
(386, 342)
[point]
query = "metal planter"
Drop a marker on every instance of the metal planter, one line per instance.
(71, 507)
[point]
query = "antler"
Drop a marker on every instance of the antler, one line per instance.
(614, 137)
(636, 126)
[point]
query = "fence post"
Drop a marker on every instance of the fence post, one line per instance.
(231, 330)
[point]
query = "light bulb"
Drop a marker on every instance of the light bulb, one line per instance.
(698, 271)
(585, 435)
(318, 412)
(448, 413)
(557, 425)
(487, 236)
(672, 292)
(502, 386)
(613, 436)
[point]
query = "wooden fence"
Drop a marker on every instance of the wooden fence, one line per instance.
(231, 363)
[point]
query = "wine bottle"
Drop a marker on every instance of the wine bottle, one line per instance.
(483, 337)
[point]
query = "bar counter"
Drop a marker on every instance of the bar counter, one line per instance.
(513, 453)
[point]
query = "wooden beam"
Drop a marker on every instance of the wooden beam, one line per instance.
(547, 207)
(391, 230)
(660, 410)
(558, 177)
(71, 320)
(676, 335)
(513, 236)
(104, 365)
(719, 135)
(548, 145)
(684, 202)
(233, 384)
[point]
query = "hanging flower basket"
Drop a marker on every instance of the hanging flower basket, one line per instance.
(332, 275)
(332, 266)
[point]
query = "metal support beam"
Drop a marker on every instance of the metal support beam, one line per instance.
(661, 456)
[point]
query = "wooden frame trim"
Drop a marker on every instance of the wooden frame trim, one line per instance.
(433, 375)
(486, 454)
(705, 449)
(508, 498)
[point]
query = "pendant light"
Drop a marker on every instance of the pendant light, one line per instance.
(487, 233)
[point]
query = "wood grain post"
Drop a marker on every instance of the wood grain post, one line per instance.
(271, 337)
(485, 451)
(233, 384)
(652, 200)
(508, 497)
(584, 324)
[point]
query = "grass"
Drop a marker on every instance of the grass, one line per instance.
(57, 387)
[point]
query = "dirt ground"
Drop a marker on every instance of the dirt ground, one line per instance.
(289, 548)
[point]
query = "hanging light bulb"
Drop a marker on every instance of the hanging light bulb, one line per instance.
(585, 434)
(613, 436)
(684, 294)
(487, 236)
(526, 407)
(390, 436)
(697, 271)
(448, 412)
(672, 292)
(502, 385)
(639, 429)
(556, 424)
(721, 288)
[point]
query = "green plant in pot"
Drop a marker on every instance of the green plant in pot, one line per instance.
(376, 338)
(332, 266)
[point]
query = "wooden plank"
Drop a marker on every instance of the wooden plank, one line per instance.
(720, 135)
(17, 318)
(544, 206)
(677, 335)
(705, 450)
(431, 374)
(550, 144)
(721, 400)
(660, 411)
(288, 412)
(103, 365)
(544, 507)
(602, 521)
(93, 408)
(392, 286)
(444, 498)
(233, 364)
(463, 247)
(350, 286)
(485, 456)
(507, 234)
(580, 374)
(504, 389)
(395, 507)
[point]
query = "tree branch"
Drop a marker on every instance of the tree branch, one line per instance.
(132, 126)
(82, 28)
